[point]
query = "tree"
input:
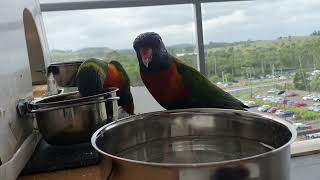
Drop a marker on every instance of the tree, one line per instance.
(315, 33)
(240, 59)
(214, 78)
(301, 81)
(315, 84)
(229, 77)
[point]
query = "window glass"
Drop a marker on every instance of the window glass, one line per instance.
(108, 34)
(268, 53)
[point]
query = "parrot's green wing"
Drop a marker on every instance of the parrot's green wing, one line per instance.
(202, 92)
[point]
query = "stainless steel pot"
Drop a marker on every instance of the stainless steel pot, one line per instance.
(70, 119)
(196, 144)
(65, 73)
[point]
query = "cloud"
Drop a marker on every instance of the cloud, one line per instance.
(117, 28)
(235, 18)
(224, 21)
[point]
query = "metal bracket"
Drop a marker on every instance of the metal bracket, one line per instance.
(22, 108)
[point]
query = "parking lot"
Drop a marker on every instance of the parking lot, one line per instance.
(282, 101)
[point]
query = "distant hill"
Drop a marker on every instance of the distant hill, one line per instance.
(181, 49)
(93, 50)
(81, 54)
(126, 51)
(226, 44)
(182, 46)
(59, 51)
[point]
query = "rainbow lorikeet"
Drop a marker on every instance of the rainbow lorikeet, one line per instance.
(174, 84)
(95, 75)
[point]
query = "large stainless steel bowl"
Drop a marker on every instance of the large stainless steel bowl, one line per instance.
(70, 119)
(196, 144)
(65, 73)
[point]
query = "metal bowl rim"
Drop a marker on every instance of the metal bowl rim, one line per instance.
(71, 63)
(71, 101)
(178, 165)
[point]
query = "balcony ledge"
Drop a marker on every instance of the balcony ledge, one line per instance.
(305, 148)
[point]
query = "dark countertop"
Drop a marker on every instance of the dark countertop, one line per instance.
(47, 158)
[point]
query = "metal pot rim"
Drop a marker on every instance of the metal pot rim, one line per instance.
(104, 128)
(73, 105)
(38, 105)
(71, 63)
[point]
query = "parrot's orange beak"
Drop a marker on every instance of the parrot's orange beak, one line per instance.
(146, 55)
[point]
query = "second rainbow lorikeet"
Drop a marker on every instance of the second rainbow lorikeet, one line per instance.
(95, 75)
(174, 84)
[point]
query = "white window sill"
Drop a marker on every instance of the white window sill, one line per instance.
(305, 148)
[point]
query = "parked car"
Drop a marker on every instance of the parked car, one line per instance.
(315, 107)
(302, 127)
(316, 104)
(259, 96)
(299, 104)
(273, 91)
(272, 110)
(264, 108)
(284, 113)
(291, 103)
(284, 101)
(287, 102)
(313, 136)
(316, 98)
(281, 92)
(308, 97)
(290, 94)
(276, 99)
(268, 98)
(250, 104)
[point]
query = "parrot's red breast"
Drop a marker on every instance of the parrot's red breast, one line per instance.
(165, 86)
(114, 78)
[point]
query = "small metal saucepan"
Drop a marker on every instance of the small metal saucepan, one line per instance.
(70, 119)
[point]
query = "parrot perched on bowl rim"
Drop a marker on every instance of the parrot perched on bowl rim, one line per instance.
(95, 75)
(174, 84)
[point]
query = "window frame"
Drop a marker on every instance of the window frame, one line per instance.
(303, 148)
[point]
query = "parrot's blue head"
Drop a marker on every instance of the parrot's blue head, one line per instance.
(151, 52)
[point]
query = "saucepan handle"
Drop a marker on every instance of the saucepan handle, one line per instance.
(109, 177)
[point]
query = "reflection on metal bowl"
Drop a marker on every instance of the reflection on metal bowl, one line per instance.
(70, 119)
(65, 73)
(202, 144)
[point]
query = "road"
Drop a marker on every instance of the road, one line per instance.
(247, 88)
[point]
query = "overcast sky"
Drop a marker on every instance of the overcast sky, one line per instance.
(222, 22)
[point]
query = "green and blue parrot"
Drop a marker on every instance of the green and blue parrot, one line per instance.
(174, 84)
(94, 76)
